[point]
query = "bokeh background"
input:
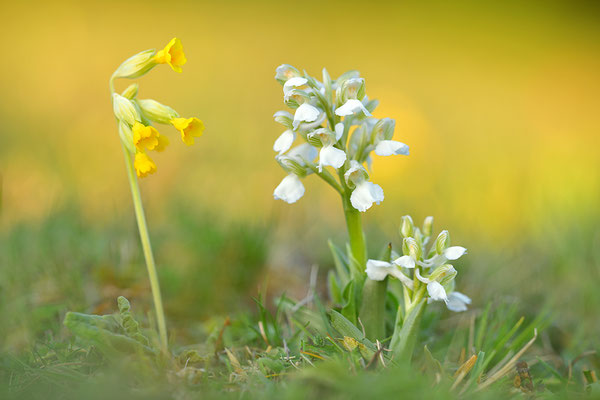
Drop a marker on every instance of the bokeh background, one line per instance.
(499, 103)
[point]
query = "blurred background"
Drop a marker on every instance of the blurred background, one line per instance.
(497, 101)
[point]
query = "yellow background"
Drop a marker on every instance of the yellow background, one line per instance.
(498, 103)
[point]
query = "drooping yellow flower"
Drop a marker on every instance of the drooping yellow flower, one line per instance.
(172, 54)
(143, 164)
(163, 142)
(189, 128)
(145, 137)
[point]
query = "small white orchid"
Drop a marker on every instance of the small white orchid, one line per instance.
(329, 155)
(290, 189)
(352, 107)
(284, 141)
(435, 289)
(457, 302)
(365, 193)
(378, 270)
(305, 113)
(391, 148)
(294, 82)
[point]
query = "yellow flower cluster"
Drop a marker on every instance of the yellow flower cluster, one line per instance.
(135, 116)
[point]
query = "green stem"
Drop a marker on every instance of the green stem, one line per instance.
(145, 239)
(357, 237)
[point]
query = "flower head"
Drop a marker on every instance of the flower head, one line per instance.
(144, 137)
(172, 54)
(190, 128)
(143, 164)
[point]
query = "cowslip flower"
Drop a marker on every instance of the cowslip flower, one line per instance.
(365, 193)
(189, 128)
(172, 54)
(144, 137)
(143, 164)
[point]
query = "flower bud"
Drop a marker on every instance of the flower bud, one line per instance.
(407, 226)
(136, 66)
(131, 91)
(157, 112)
(285, 72)
(442, 242)
(126, 136)
(383, 130)
(443, 274)
(428, 226)
(124, 109)
(410, 247)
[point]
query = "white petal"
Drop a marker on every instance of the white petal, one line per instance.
(305, 113)
(356, 173)
(390, 148)
(293, 82)
(365, 194)
(403, 278)
(303, 152)
(405, 261)
(436, 291)
(284, 142)
(420, 277)
(339, 131)
(377, 270)
(351, 107)
(457, 302)
(332, 156)
(454, 252)
(289, 190)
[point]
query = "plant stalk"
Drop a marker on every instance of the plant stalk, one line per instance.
(147, 248)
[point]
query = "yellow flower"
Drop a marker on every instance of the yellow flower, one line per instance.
(163, 142)
(172, 54)
(143, 164)
(189, 128)
(145, 137)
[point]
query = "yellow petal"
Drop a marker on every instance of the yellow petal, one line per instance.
(144, 165)
(163, 142)
(144, 137)
(189, 128)
(172, 54)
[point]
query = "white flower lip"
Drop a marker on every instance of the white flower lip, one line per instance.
(405, 261)
(305, 113)
(377, 270)
(294, 82)
(303, 152)
(339, 131)
(284, 142)
(454, 252)
(351, 107)
(391, 148)
(289, 190)
(332, 156)
(365, 194)
(457, 302)
(436, 291)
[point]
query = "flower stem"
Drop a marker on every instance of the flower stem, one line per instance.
(357, 239)
(147, 248)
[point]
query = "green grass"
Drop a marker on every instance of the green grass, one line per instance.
(225, 345)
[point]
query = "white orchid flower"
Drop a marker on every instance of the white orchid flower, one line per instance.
(390, 148)
(351, 107)
(290, 189)
(329, 155)
(454, 252)
(365, 193)
(378, 270)
(305, 113)
(435, 289)
(284, 141)
(294, 82)
(457, 302)
(405, 261)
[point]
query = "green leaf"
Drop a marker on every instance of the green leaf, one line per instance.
(349, 307)
(342, 266)
(405, 333)
(347, 328)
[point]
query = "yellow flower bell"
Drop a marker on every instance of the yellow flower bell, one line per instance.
(189, 128)
(143, 164)
(145, 137)
(172, 54)
(163, 142)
